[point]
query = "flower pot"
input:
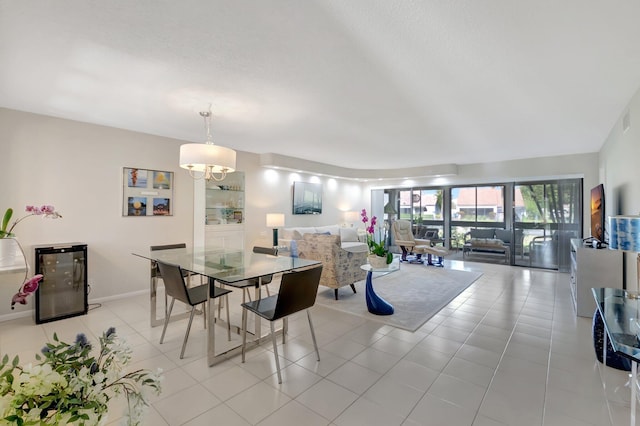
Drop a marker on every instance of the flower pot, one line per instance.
(11, 256)
(377, 262)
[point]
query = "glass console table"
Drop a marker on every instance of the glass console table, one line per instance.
(620, 315)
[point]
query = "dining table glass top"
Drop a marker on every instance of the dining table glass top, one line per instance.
(229, 265)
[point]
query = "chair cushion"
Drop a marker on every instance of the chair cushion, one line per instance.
(486, 242)
(348, 235)
(482, 233)
(504, 235)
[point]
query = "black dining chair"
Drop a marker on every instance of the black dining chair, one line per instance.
(176, 288)
(297, 292)
(246, 285)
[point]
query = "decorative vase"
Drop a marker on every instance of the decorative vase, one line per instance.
(377, 262)
(11, 256)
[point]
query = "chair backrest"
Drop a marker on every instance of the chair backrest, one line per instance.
(154, 267)
(298, 291)
(402, 230)
(174, 282)
(266, 250)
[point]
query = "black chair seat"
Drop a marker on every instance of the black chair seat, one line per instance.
(266, 308)
(173, 277)
(298, 291)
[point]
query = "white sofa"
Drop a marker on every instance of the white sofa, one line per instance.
(349, 238)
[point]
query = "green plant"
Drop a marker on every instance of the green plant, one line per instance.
(71, 385)
(377, 248)
(44, 211)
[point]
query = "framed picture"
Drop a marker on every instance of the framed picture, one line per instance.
(147, 192)
(307, 198)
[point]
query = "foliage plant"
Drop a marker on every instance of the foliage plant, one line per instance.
(377, 248)
(72, 385)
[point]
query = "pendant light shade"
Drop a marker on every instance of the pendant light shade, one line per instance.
(213, 161)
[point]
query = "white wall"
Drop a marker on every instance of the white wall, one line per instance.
(77, 167)
(620, 174)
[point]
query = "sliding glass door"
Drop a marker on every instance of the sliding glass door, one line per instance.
(546, 215)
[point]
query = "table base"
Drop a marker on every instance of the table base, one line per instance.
(376, 304)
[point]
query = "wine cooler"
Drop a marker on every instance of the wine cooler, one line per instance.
(63, 289)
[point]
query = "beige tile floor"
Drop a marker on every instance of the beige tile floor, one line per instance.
(507, 351)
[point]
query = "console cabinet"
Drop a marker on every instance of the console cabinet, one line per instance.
(592, 268)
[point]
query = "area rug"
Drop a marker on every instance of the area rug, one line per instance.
(417, 293)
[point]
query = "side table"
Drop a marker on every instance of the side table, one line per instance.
(376, 304)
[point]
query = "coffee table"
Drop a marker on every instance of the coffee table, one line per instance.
(376, 304)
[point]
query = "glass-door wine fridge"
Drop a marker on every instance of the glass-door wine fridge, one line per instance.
(63, 289)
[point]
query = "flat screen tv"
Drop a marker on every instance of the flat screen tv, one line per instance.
(597, 213)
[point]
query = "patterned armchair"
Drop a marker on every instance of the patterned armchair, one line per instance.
(341, 267)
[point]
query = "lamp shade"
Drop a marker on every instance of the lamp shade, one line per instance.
(624, 233)
(389, 208)
(351, 216)
(202, 157)
(275, 220)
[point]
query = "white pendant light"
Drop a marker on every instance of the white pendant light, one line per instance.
(213, 161)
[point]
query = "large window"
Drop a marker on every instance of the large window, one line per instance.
(477, 204)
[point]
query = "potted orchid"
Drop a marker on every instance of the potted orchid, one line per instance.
(12, 248)
(44, 211)
(379, 255)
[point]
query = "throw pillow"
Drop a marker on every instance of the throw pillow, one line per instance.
(504, 235)
(348, 235)
(482, 233)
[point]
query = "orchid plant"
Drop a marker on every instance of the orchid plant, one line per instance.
(29, 285)
(376, 248)
(45, 211)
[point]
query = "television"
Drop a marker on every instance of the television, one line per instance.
(597, 213)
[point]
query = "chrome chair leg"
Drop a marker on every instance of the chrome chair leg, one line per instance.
(244, 332)
(313, 334)
(275, 349)
(186, 336)
(166, 320)
(285, 329)
(226, 297)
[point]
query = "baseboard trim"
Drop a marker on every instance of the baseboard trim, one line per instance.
(31, 312)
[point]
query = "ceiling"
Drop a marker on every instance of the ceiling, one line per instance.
(371, 84)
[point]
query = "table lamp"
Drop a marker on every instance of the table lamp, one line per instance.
(351, 217)
(275, 221)
(624, 234)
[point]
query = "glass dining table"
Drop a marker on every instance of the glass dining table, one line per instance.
(229, 265)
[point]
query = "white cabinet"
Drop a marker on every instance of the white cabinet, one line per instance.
(219, 213)
(592, 268)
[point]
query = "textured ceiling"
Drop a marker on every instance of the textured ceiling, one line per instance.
(358, 84)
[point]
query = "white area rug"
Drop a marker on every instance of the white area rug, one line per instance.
(417, 293)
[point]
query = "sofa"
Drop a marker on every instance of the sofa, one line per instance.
(490, 242)
(340, 267)
(349, 237)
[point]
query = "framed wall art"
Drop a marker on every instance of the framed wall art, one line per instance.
(147, 192)
(307, 198)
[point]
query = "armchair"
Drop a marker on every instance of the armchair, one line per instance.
(403, 237)
(340, 267)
